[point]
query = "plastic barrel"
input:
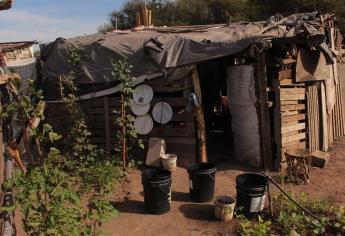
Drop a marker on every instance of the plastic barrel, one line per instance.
(157, 191)
(201, 181)
(251, 193)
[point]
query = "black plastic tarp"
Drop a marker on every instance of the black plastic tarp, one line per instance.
(160, 49)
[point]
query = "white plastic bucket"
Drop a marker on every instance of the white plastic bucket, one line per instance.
(224, 207)
(169, 162)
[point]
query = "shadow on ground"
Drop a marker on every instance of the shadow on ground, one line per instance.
(180, 196)
(198, 211)
(130, 206)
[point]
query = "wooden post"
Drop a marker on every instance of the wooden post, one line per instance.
(107, 124)
(262, 108)
(200, 120)
(278, 154)
(2, 154)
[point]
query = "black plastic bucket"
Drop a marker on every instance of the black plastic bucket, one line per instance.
(157, 191)
(251, 193)
(201, 181)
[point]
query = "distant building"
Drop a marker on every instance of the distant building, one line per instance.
(19, 57)
(5, 4)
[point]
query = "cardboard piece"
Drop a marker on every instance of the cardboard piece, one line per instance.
(156, 149)
(311, 66)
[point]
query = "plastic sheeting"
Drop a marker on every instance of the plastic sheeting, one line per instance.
(26, 69)
(244, 117)
(151, 51)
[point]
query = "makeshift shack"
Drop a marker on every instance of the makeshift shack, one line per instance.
(20, 58)
(263, 87)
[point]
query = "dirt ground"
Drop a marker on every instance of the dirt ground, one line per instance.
(187, 218)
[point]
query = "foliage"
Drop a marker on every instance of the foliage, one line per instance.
(106, 27)
(126, 133)
(291, 218)
(48, 201)
(189, 12)
(69, 191)
(249, 228)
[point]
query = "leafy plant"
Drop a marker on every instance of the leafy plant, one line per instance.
(249, 228)
(291, 218)
(68, 191)
(49, 203)
(126, 136)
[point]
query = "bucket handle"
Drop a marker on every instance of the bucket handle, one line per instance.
(167, 194)
(211, 177)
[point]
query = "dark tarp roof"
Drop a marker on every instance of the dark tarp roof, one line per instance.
(158, 49)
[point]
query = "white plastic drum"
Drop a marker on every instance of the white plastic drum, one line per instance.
(140, 110)
(143, 124)
(143, 94)
(162, 113)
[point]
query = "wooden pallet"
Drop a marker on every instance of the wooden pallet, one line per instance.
(292, 110)
(101, 115)
(289, 112)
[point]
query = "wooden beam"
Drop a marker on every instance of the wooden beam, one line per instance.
(277, 125)
(200, 120)
(263, 110)
(107, 124)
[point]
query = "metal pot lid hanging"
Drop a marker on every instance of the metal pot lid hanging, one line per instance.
(143, 124)
(162, 113)
(139, 109)
(143, 94)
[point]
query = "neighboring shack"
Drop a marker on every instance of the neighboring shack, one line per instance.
(265, 87)
(20, 58)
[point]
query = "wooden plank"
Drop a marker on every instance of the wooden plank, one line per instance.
(289, 91)
(292, 138)
(300, 126)
(285, 74)
(310, 128)
(295, 145)
(294, 118)
(293, 107)
(286, 82)
(292, 97)
(289, 102)
(289, 113)
(290, 133)
(263, 110)
(324, 121)
(295, 122)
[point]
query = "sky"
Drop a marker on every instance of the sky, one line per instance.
(46, 20)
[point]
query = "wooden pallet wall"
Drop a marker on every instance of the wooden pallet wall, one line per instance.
(289, 112)
(292, 109)
(179, 133)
